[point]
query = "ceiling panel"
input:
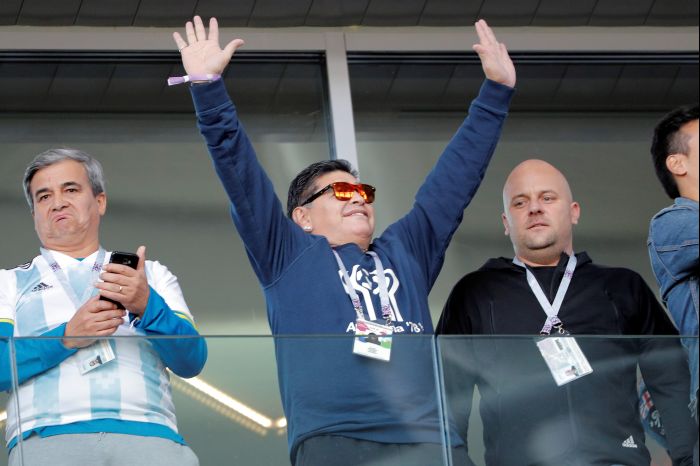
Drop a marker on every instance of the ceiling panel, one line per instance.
(229, 14)
(107, 12)
(78, 87)
(546, 82)
(254, 86)
(25, 85)
(330, 13)
(585, 86)
(673, 13)
(300, 90)
(419, 86)
(684, 89)
(450, 13)
(509, 12)
(271, 86)
(656, 79)
(556, 12)
(393, 13)
(370, 84)
(621, 12)
(336, 12)
(48, 12)
(463, 86)
(536, 86)
(164, 14)
(9, 11)
(135, 87)
(279, 13)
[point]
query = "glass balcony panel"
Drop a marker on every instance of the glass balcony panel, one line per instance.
(7, 381)
(519, 415)
(231, 413)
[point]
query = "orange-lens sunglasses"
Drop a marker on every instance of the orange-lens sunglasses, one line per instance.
(344, 191)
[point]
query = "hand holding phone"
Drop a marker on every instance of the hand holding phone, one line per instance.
(125, 281)
(122, 258)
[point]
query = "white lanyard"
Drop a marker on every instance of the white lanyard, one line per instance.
(381, 283)
(551, 309)
(89, 289)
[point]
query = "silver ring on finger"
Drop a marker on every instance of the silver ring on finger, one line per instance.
(120, 289)
(182, 48)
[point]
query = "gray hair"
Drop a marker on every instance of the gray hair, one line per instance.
(93, 168)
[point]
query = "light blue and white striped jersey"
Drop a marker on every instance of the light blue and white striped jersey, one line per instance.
(133, 387)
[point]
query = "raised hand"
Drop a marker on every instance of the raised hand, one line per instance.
(126, 285)
(494, 56)
(203, 55)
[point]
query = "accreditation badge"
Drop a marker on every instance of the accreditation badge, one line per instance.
(95, 356)
(372, 340)
(564, 358)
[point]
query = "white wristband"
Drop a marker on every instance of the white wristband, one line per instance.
(174, 80)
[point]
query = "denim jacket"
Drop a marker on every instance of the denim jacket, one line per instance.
(673, 249)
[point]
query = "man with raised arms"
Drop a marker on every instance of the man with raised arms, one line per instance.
(370, 398)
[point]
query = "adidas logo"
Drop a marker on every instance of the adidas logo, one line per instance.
(41, 287)
(629, 443)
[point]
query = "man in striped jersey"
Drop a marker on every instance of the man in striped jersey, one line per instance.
(78, 399)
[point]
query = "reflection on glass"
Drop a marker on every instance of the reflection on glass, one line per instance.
(6, 371)
(524, 417)
(118, 386)
(232, 413)
(399, 398)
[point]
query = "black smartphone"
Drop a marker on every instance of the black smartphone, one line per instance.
(123, 258)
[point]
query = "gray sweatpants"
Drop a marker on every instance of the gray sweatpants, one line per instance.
(102, 449)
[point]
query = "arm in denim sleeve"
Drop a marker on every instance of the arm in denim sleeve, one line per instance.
(34, 356)
(673, 236)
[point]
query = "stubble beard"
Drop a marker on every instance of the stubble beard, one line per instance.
(538, 243)
(540, 249)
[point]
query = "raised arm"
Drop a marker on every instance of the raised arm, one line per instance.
(427, 229)
(270, 238)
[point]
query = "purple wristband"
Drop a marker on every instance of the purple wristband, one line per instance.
(172, 81)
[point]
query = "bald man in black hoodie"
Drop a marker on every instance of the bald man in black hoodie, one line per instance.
(532, 412)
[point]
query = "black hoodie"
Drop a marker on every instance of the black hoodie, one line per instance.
(589, 421)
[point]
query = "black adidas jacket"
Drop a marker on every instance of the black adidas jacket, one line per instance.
(593, 420)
